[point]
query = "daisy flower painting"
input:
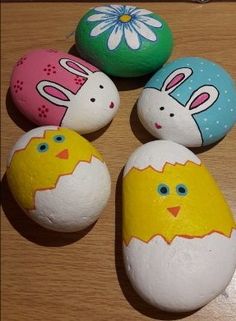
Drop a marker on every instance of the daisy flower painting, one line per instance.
(127, 24)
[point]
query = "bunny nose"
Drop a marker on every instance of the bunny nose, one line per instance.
(111, 105)
(158, 126)
(64, 154)
(174, 210)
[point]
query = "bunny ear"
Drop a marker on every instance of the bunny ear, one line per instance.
(54, 92)
(202, 99)
(175, 79)
(68, 65)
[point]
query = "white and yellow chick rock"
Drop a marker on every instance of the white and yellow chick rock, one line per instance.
(58, 178)
(179, 237)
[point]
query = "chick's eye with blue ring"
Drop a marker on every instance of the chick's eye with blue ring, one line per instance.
(59, 138)
(181, 189)
(43, 147)
(163, 189)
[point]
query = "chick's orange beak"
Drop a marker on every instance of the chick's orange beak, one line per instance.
(64, 154)
(174, 210)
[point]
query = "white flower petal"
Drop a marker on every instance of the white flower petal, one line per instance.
(98, 17)
(129, 9)
(118, 8)
(131, 37)
(106, 9)
(144, 31)
(140, 12)
(151, 22)
(115, 37)
(100, 28)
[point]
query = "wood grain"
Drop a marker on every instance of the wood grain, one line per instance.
(80, 276)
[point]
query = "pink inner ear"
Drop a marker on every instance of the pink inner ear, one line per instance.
(199, 100)
(178, 78)
(76, 67)
(55, 93)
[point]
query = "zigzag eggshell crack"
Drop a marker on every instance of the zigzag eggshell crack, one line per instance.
(179, 235)
(51, 87)
(190, 101)
(58, 178)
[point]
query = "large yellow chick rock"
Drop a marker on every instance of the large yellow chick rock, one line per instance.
(179, 236)
(58, 178)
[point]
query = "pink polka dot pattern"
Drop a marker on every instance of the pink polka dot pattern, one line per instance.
(18, 86)
(21, 61)
(50, 69)
(42, 111)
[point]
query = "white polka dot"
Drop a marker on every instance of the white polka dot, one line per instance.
(202, 63)
(201, 70)
(217, 122)
(209, 79)
(231, 109)
(191, 80)
(210, 135)
(178, 95)
(187, 64)
(226, 91)
(205, 119)
(207, 128)
(228, 100)
(218, 75)
(225, 126)
(219, 108)
(189, 88)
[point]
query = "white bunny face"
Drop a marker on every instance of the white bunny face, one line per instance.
(165, 118)
(92, 107)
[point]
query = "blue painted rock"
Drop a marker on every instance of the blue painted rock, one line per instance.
(191, 101)
(124, 40)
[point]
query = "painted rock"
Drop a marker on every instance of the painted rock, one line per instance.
(190, 101)
(179, 235)
(58, 178)
(54, 88)
(124, 40)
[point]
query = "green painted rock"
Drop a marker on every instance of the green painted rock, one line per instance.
(124, 41)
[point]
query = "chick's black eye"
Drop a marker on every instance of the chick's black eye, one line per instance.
(172, 115)
(163, 189)
(182, 189)
(92, 100)
(43, 147)
(162, 108)
(59, 138)
(101, 86)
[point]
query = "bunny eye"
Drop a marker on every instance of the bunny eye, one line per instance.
(172, 115)
(101, 86)
(92, 100)
(43, 147)
(162, 108)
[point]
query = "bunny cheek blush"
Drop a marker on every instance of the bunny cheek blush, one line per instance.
(124, 41)
(54, 88)
(179, 236)
(58, 178)
(190, 101)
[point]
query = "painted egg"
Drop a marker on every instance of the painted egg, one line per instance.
(58, 178)
(124, 40)
(54, 88)
(190, 101)
(179, 235)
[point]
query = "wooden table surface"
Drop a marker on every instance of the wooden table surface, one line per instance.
(80, 276)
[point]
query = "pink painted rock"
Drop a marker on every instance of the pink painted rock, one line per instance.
(55, 88)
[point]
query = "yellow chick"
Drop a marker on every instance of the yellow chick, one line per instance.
(45, 168)
(179, 233)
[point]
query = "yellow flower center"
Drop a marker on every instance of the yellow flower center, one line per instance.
(125, 18)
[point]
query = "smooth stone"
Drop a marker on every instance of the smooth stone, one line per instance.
(191, 101)
(58, 178)
(179, 234)
(55, 88)
(124, 40)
